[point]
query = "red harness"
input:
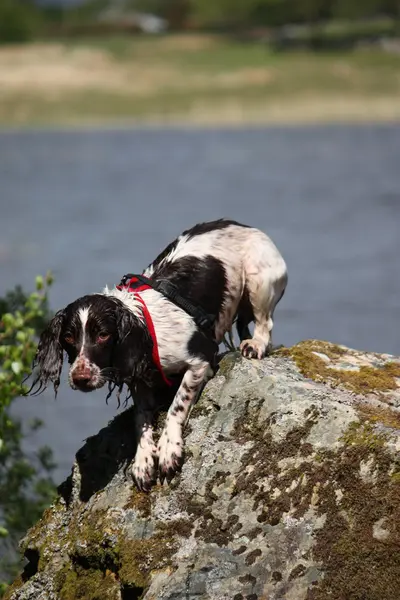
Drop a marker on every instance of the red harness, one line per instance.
(135, 286)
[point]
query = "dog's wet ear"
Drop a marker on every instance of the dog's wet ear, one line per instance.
(133, 352)
(48, 361)
(127, 322)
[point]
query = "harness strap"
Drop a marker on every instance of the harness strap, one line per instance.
(140, 283)
(203, 320)
(147, 318)
(152, 331)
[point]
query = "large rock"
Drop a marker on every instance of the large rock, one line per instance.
(290, 490)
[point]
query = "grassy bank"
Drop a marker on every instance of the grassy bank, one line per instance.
(191, 78)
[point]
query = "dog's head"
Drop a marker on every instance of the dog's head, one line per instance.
(104, 342)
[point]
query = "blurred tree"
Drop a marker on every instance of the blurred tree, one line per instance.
(225, 12)
(355, 9)
(392, 8)
(22, 20)
(280, 12)
(26, 487)
(85, 13)
(176, 12)
(311, 11)
(272, 12)
(19, 20)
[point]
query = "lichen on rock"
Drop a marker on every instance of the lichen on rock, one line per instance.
(290, 489)
(359, 372)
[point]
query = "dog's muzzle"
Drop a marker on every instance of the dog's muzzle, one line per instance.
(85, 376)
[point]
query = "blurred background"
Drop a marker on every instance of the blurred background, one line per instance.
(122, 122)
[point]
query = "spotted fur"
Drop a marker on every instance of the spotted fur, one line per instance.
(230, 270)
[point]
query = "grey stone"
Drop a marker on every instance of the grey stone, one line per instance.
(290, 490)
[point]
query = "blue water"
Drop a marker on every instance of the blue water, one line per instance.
(92, 205)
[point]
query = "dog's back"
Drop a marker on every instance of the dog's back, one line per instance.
(224, 267)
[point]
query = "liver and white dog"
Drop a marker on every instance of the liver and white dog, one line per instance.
(140, 338)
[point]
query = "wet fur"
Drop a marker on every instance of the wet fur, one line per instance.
(230, 270)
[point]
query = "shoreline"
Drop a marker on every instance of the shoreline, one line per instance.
(311, 113)
(192, 82)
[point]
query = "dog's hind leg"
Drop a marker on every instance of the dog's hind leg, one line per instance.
(265, 283)
(244, 317)
(170, 446)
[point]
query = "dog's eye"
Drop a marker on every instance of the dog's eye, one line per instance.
(68, 339)
(103, 337)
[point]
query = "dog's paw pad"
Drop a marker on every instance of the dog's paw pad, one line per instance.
(253, 349)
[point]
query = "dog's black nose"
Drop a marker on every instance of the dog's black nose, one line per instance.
(82, 378)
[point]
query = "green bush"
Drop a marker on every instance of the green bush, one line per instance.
(19, 21)
(26, 486)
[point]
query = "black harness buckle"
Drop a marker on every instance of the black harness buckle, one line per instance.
(202, 319)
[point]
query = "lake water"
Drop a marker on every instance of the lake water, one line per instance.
(93, 205)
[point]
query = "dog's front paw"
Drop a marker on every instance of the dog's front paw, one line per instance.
(253, 349)
(170, 455)
(144, 470)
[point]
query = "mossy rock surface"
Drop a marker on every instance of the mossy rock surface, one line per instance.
(359, 372)
(290, 489)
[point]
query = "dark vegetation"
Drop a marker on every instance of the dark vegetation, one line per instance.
(315, 24)
(26, 486)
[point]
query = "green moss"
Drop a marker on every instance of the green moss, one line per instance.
(370, 379)
(379, 414)
(138, 558)
(106, 550)
(209, 528)
(201, 408)
(365, 380)
(48, 516)
(303, 350)
(141, 502)
(227, 364)
(356, 565)
(180, 527)
(14, 587)
(264, 458)
(363, 435)
(85, 584)
(90, 573)
(88, 537)
(264, 455)
(101, 559)
(41, 537)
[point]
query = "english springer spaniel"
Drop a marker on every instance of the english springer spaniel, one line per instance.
(140, 334)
